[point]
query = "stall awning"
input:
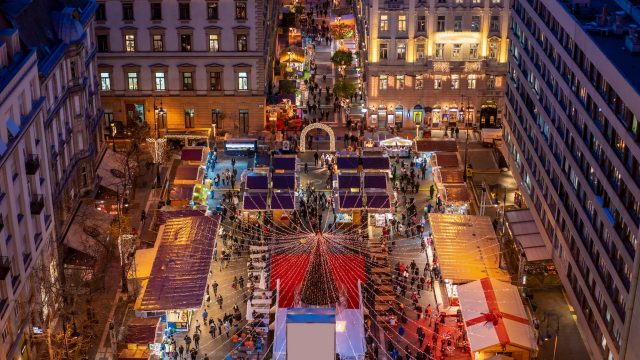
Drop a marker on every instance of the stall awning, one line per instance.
(494, 315)
(452, 176)
(349, 181)
(181, 267)
(526, 235)
(254, 201)
(187, 174)
(375, 163)
(257, 181)
(447, 160)
(196, 154)
(433, 145)
(284, 163)
(347, 163)
(283, 201)
(456, 194)
(283, 181)
(348, 201)
(166, 215)
(378, 201)
(142, 331)
(111, 170)
(181, 192)
(88, 223)
(467, 247)
(396, 141)
(375, 181)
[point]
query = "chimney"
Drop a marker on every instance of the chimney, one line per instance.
(12, 40)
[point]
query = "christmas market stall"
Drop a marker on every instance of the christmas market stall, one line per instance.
(348, 209)
(194, 155)
(284, 163)
(374, 180)
(188, 175)
(535, 264)
(425, 148)
(142, 339)
(467, 249)
(456, 198)
(397, 146)
(495, 320)
(282, 203)
(254, 203)
(178, 278)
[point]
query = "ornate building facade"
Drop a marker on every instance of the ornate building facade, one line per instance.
(201, 61)
(436, 62)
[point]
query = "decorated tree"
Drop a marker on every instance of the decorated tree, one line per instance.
(342, 57)
(319, 287)
(344, 89)
(341, 31)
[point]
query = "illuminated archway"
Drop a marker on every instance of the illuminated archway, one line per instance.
(327, 129)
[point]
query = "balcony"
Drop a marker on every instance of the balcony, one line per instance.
(32, 164)
(37, 204)
(26, 259)
(5, 267)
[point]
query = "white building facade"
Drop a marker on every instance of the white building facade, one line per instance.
(571, 134)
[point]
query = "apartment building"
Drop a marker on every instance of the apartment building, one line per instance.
(436, 62)
(571, 134)
(49, 141)
(201, 61)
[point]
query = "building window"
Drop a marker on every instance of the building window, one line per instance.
(103, 43)
(241, 10)
(132, 81)
(189, 115)
(420, 51)
(127, 11)
(384, 82)
(491, 82)
(456, 52)
(158, 42)
(402, 51)
(400, 82)
(475, 23)
(384, 51)
(384, 23)
(187, 80)
(212, 10)
(402, 23)
(421, 24)
(243, 81)
(214, 42)
(473, 51)
(129, 43)
(160, 81)
(215, 81)
(493, 50)
(495, 23)
(184, 11)
(105, 81)
(156, 11)
(457, 23)
(496, 2)
(185, 42)
(241, 42)
(440, 24)
(455, 81)
(439, 51)
(244, 121)
(476, 2)
(437, 82)
(471, 81)
(419, 82)
(101, 12)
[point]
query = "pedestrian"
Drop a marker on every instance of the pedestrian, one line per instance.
(431, 191)
(215, 288)
(187, 342)
(306, 168)
(219, 300)
(197, 326)
(316, 157)
(181, 351)
(194, 354)
(212, 330)
(206, 357)
(227, 328)
(205, 315)
(196, 340)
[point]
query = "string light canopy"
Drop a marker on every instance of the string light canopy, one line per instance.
(157, 147)
(319, 287)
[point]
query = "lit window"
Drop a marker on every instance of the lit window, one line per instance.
(455, 81)
(241, 10)
(105, 81)
(437, 82)
(384, 22)
(384, 51)
(400, 82)
(421, 25)
(471, 81)
(419, 82)
(185, 42)
(129, 43)
(491, 82)
(420, 51)
(439, 51)
(243, 81)
(132, 81)
(214, 42)
(187, 80)
(476, 2)
(456, 52)
(475, 23)
(241, 41)
(384, 82)
(493, 50)
(212, 10)
(160, 81)
(473, 51)
(402, 51)
(158, 43)
(402, 22)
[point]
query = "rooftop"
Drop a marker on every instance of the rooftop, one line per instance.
(608, 26)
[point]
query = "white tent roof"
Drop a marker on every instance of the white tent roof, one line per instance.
(474, 304)
(87, 218)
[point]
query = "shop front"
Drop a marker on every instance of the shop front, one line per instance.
(398, 117)
(489, 115)
(436, 116)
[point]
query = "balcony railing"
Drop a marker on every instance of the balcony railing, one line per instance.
(37, 204)
(32, 164)
(5, 267)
